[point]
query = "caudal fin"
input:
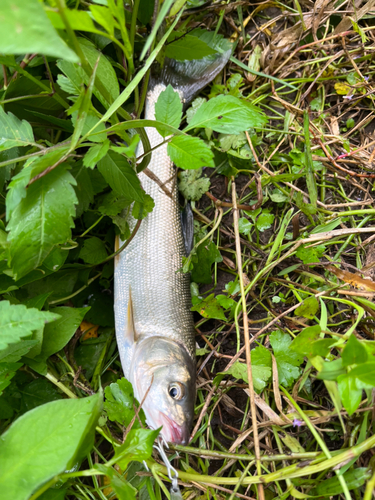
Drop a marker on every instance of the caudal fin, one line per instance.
(190, 77)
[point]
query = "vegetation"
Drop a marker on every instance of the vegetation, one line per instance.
(283, 261)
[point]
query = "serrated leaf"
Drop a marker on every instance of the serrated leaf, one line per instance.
(95, 154)
(7, 372)
(14, 352)
(192, 185)
(208, 307)
(195, 105)
(227, 114)
(119, 403)
(36, 35)
(17, 322)
(141, 210)
(205, 256)
(287, 361)
(120, 176)
(138, 446)
(189, 152)
(112, 204)
(42, 220)
(93, 251)
(14, 132)
(168, 108)
(184, 47)
(62, 433)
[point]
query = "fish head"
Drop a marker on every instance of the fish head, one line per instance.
(163, 378)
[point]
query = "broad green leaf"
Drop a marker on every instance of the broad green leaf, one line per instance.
(349, 394)
(112, 204)
(189, 152)
(53, 494)
(261, 374)
(354, 352)
(141, 210)
(364, 375)
(17, 186)
(79, 20)
(58, 333)
(331, 370)
(302, 344)
(119, 403)
(354, 479)
(93, 251)
(208, 307)
(38, 392)
(14, 132)
(195, 105)
(104, 17)
(205, 256)
(228, 115)
(183, 47)
(95, 154)
(308, 308)
(120, 176)
(90, 120)
(287, 360)
(17, 322)
(42, 220)
(168, 108)
(138, 446)
(61, 435)
(29, 30)
(192, 185)
(14, 352)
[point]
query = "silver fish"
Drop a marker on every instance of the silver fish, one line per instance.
(154, 325)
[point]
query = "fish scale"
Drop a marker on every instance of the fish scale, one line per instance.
(151, 262)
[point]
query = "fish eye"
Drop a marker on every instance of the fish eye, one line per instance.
(176, 390)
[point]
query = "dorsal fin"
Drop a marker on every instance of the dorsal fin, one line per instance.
(131, 333)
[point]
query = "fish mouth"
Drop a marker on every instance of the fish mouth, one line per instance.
(172, 432)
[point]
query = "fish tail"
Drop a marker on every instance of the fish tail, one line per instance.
(190, 77)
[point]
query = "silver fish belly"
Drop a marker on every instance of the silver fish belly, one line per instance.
(152, 302)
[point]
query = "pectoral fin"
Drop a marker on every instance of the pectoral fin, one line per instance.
(131, 334)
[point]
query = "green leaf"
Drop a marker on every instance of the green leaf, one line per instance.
(265, 221)
(141, 210)
(364, 375)
(38, 392)
(95, 154)
(354, 352)
(331, 370)
(119, 403)
(244, 226)
(208, 307)
(29, 30)
(310, 255)
(93, 251)
(14, 352)
(228, 115)
(14, 132)
(103, 16)
(59, 438)
(302, 344)
(195, 105)
(349, 394)
(205, 256)
(42, 220)
(129, 151)
(184, 47)
(261, 374)
(308, 308)
(354, 479)
(120, 176)
(168, 108)
(58, 333)
(17, 321)
(138, 446)
(287, 360)
(83, 189)
(192, 185)
(89, 121)
(7, 372)
(189, 152)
